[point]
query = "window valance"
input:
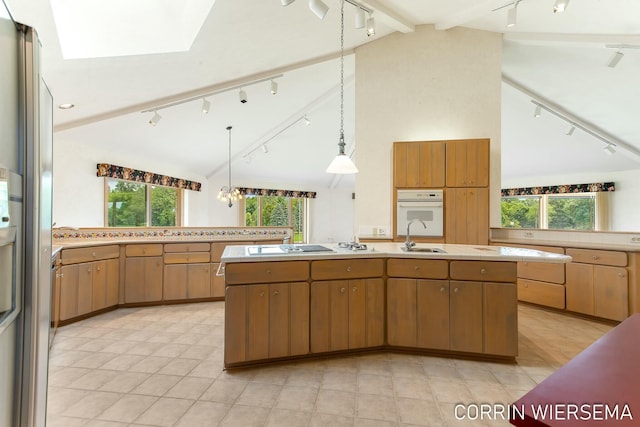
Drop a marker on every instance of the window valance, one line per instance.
(560, 189)
(135, 175)
(282, 193)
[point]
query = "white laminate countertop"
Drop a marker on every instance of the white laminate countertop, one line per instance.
(393, 250)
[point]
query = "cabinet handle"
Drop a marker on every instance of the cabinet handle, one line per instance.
(261, 294)
(88, 270)
(349, 268)
(93, 254)
(342, 290)
(483, 271)
(594, 257)
(526, 263)
(455, 290)
(355, 288)
(98, 268)
(417, 268)
(276, 293)
(187, 257)
(526, 285)
(268, 271)
(442, 289)
(620, 274)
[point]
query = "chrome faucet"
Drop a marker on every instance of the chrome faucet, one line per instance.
(410, 243)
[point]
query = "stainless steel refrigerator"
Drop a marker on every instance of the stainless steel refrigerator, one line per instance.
(25, 225)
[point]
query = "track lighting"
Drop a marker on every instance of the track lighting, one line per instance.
(571, 130)
(560, 6)
(243, 96)
(318, 8)
(512, 15)
(307, 121)
(537, 111)
(155, 119)
(371, 25)
(205, 105)
(615, 59)
(609, 149)
(360, 18)
(274, 87)
(265, 149)
(286, 2)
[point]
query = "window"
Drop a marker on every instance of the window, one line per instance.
(580, 211)
(277, 211)
(133, 204)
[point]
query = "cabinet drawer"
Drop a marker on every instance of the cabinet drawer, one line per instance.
(186, 257)
(547, 294)
(591, 256)
(187, 247)
(77, 255)
(346, 269)
(144, 250)
(418, 268)
(542, 271)
(484, 271)
(266, 272)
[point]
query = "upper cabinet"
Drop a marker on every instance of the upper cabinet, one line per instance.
(467, 163)
(419, 164)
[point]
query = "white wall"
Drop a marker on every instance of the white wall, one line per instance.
(624, 206)
(425, 85)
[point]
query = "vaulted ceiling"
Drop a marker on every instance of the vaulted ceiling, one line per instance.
(556, 58)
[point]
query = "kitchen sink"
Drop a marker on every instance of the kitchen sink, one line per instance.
(428, 250)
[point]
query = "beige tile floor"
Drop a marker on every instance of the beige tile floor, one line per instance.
(162, 366)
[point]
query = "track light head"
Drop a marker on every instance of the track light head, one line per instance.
(615, 59)
(155, 119)
(274, 87)
(609, 149)
(560, 6)
(286, 2)
(206, 105)
(318, 8)
(537, 111)
(307, 121)
(243, 96)
(371, 26)
(265, 149)
(512, 16)
(360, 18)
(571, 130)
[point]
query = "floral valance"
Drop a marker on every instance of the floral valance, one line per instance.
(135, 175)
(281, 193)
(560, 189)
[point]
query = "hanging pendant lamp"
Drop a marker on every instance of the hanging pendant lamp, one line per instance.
(227, 193)
(342, 163)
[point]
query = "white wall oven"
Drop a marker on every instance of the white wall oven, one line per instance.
(421, 204)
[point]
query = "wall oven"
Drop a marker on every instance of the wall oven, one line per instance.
(424, 205)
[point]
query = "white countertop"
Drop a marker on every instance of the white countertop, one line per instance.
(393, 250)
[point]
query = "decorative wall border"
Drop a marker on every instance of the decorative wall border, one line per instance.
(282, 193)
(560, 189)
(135, 175)
(222, 233)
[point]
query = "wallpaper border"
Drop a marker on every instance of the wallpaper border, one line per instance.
(135, 175)
(560, 189)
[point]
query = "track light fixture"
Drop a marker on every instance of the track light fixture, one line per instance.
(609, 149)
(319, 8)
(560, 6)
(306, 120)
(360, 18)
(274, 87)
(243, 96)
(615, 59)
(155, 119)
(512, 15)
(286, 2)
(206, 105)
(537, 111)
(371, 25)
(265, 149)
(571, 130)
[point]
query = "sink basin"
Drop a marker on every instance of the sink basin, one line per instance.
(429, 250)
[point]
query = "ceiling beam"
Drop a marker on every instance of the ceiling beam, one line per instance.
(578, 40)
(463, 16)
(390, 17)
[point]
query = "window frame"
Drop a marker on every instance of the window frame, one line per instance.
(148, 203)
(306, 219)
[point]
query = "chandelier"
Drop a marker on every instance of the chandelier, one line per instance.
(227, 193)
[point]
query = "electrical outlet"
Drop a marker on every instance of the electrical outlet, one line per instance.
(635, 240)
(381, 231)
(528, 234)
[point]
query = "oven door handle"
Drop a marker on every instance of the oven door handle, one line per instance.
(420, 205)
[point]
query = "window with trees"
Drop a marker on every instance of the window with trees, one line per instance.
(133, 204)
(579, 211)
(277, 211)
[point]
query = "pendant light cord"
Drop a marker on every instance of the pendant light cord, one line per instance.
(229, 129)
(341, 143)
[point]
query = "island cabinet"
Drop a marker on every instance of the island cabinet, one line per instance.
(143, 273)
(597, 283)
(89, 280)
(483, 307)
(266, 311)
(186, 271)
(419, 164)
(542, 283)
(347, 304)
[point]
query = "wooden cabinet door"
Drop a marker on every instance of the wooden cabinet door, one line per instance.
(339, 315)
(432, 314)
(467, 163)
(85, 287)
(235, 324)
(257, 322)
(465, 316)
(401, 312)
(279, 320)
(198, 281)
(134, 280)
(217, 282)
(501, 319)
(467, 216)
(69, 291)
(99, 286)
(400, 164)
(298, 318)
(329, 316)
(175, 282)
(374, 306)
(579, 288)
(153, 279)
(357, 313)
(419, 164)
(611, 292)
(112, 291)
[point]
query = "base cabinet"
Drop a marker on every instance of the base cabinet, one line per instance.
(465, 316)
(143, 279)
(88, 287)
(186, 281)
(266, 321)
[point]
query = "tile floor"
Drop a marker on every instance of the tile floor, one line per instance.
(162, 366)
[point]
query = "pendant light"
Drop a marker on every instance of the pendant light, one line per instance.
(227, 193)
(342, 163)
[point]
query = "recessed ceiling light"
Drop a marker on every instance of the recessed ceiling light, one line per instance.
(66, 106)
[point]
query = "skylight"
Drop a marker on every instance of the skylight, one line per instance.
(98, 28)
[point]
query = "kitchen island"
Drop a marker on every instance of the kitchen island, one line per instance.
(286, 303)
